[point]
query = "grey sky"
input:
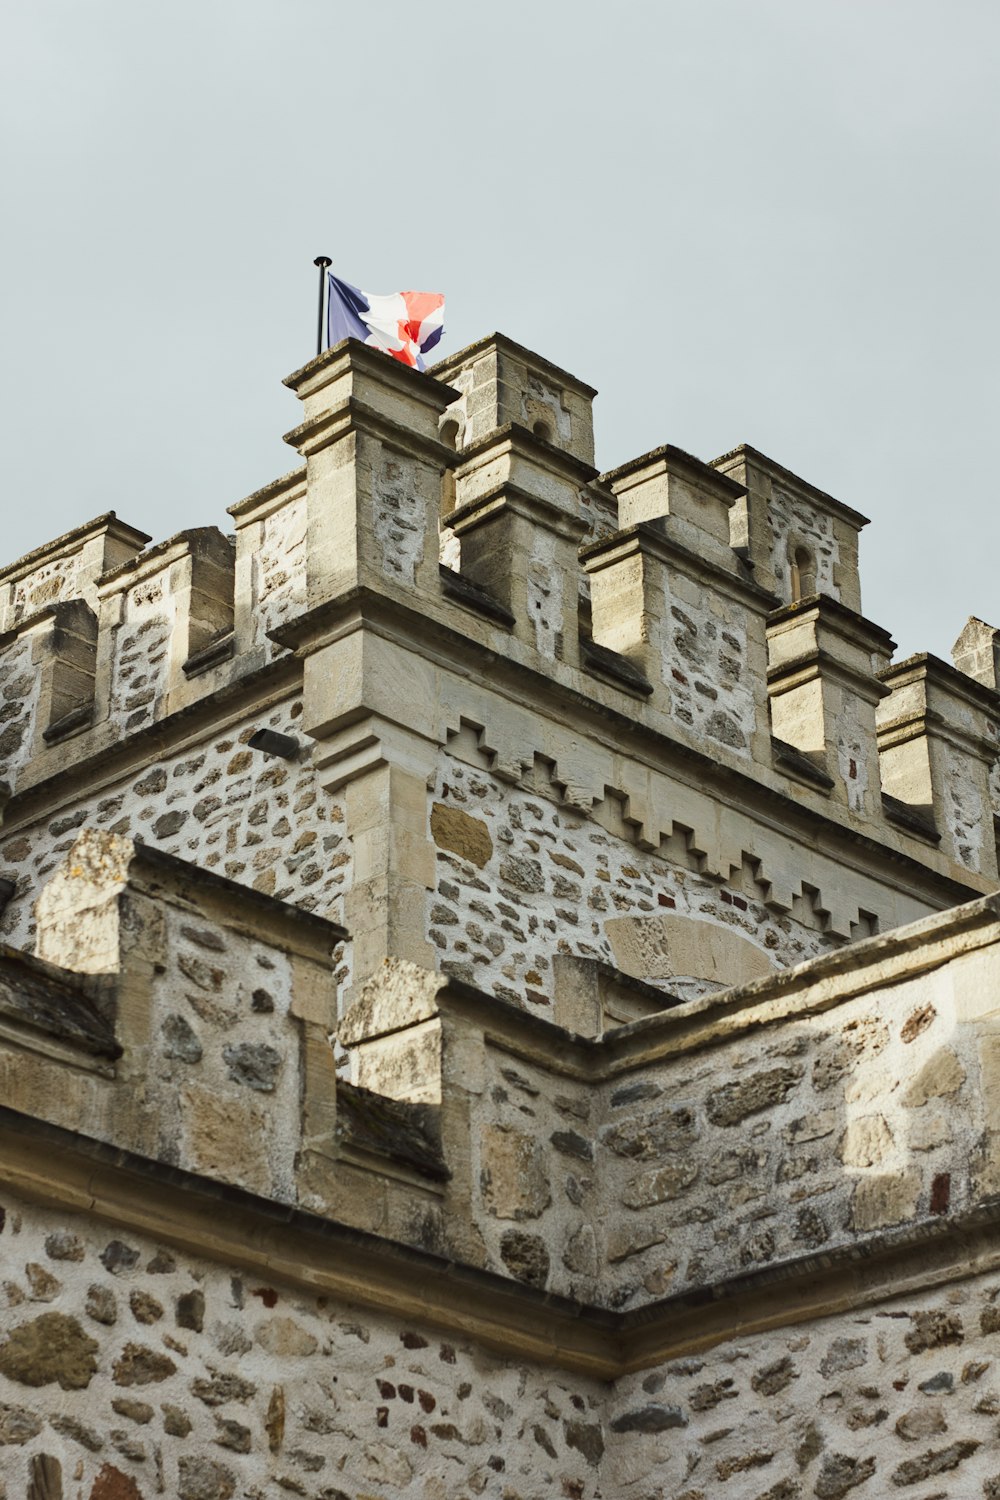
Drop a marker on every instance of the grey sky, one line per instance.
(771, 221)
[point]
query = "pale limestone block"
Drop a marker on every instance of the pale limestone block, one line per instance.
(406, 1066)
(970, 988)
(866, 1142)
(927, 1130)
(989, 1075)
(226, 1137)
(943, 1073)
(883, 1200)
(515, 1181)
(667, 945)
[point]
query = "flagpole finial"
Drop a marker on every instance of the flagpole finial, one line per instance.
(322, 261)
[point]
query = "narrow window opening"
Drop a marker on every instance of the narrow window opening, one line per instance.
(803, 574)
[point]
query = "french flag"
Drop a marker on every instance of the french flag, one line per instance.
(403, 324)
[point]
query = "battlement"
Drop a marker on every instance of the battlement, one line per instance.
(483, 931)
(670, 652)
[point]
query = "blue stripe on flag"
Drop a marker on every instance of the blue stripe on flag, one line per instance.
(346, 309)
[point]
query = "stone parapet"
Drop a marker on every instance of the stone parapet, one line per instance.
(500, 382)
(799, 539)
(823, 684)
(66, 568)
(626, 685)
(694, 628)
(216, 1005)
(937, 751)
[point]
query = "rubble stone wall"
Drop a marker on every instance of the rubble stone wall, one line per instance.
(255, 818)
(141, 1372)
(128, 1370)
(521, 878)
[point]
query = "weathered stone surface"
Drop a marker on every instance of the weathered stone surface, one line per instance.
(514, 1177)
(48, 1349)
(648, 1136)
(580, 1254)
(522, 872)
(136, 1411)
(468, 837)
(45, 1478)
(941, 1075)
(921, 1422)
(843, 1354)
(203, 1479)
(189, 1310)
(17, 1424)
(934, 1461)
(735, 1102)
(233, 1435)
(661, 1185)
(176, 1422)
(254, 1064)
(274, 1422)
(866, 1142)
(118, 1257)
(44, 1287)
(571, 1143)
(77, 1431)
(145, 1308)
(139, 1365)
(652, 1418)
(63, 1246)
(586, 1438)
(221, 1387)
(101, 1305)
(886, 1199)
(933, 1329)
(525, 1256)
(772, 1378)
(180, 1041)
(839, 1474)
(285, 1338)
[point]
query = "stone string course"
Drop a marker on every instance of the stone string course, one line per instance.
(128, 1371)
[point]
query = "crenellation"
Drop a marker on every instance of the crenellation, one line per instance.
(695, 630)
(66, 568)
(799, 539)
(691, 498)
(499, 382)
(977, 652)
(375, 466)
(936, 753)
(518, 524)
(503, 981)
(159, 612)
(47, 675)
(824, 686)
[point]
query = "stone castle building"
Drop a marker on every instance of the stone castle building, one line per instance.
(499, 994)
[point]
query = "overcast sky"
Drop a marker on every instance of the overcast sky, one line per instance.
(765, 221)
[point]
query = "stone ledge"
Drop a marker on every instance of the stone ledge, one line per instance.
(72, 1171)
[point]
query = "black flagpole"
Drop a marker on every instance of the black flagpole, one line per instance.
(322, 261)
